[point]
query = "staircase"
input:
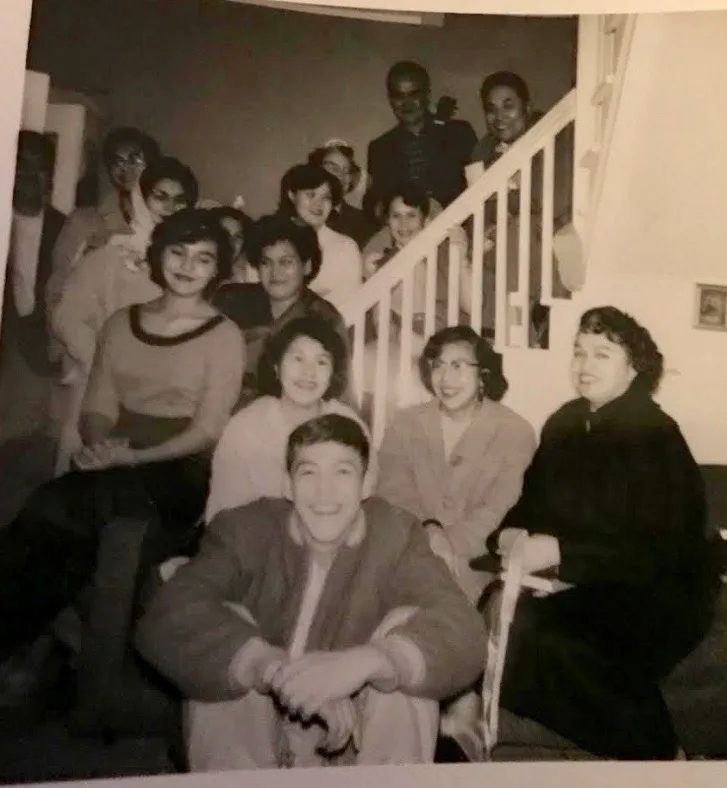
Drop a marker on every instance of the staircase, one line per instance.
(384, 372)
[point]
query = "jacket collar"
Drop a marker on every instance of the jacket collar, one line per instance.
(480, 432)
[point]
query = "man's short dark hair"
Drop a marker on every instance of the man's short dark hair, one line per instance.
(408, 69)
(329, 428)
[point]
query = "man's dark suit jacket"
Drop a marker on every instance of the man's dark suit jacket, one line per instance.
(448, 149)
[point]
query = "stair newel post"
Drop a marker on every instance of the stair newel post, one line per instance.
(587, 137)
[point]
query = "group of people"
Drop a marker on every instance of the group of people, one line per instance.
(331, 607)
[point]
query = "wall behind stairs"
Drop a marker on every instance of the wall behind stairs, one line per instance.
(664, 214)
(242, 93)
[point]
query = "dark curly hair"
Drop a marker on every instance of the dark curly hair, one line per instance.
(189, 226)
(169, 168)
(322, 332)
(505, 79)
(489, 363)
(307, 176)
(623, 330)
(278, 228)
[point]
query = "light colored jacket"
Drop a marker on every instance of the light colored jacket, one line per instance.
(470, 493)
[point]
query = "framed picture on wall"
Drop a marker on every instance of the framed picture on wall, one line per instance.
(711, 307)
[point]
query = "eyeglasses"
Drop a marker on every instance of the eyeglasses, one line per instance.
(129, 160)
(458, 366)
(178, 200)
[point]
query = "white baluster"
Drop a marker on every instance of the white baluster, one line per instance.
(502, 318)
(405, 339)
(546, 267)
(357, 358)
(477, 265)
(431, 299)
(381, 381)
(455, 266)
(523, 276)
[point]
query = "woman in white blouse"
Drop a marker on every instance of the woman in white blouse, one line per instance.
(308, 194)
(301, 374)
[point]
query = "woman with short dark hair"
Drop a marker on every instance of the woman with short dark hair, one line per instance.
(308, 194)
(337, 158)
(126, 151)
(287, 257)
(110, 278)
(614, 505)
(117, 275)
(457, 462)
(164, 380)
(303, 373)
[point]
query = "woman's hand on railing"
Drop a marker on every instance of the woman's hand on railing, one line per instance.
(540, 551)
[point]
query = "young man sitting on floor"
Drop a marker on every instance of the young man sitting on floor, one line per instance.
(318, 630)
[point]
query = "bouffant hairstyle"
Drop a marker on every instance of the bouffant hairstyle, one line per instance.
(307, 176)
(169, 168)
(322, 332)
(623, 330)
(318, 156)
(493, 383)
(189, 226)
(326, 429)
(505, 79)
(127, 136)
(278, 228)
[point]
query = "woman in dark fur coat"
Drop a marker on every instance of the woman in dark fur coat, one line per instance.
(614, 503)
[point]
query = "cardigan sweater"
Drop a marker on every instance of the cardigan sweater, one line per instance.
(470, 492)
(195, 376)
(252, 557)
(341, 271)
(621, 492)
(102, 282)
(85, 229)
(248, 306)
(249, 461)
